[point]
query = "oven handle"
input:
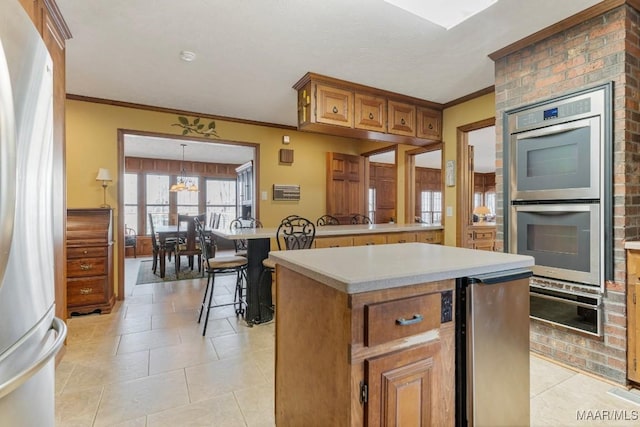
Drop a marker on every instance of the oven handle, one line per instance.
(559, 128)
(576, 303)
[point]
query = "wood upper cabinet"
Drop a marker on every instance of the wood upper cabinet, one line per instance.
(337, 107)
(334, 106)
(402, 118)
(371, 112)
(429, 123)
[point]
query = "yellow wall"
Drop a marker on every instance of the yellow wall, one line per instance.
(92, 143)
(459, 115)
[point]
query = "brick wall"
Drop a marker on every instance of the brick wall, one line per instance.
(600, 50)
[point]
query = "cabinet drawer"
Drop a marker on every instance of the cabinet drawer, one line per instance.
(87, 252)
(82, 292)
(401, 237)
(334, 242)
(429, 237)
(371, 239)
(87, 267)
(387, 321)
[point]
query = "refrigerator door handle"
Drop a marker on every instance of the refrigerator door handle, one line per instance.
(8, 386)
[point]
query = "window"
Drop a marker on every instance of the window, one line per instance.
(490, 200)
(131, 201)
(157, 200)
(187, 201)
(431, 207)
(221, 198)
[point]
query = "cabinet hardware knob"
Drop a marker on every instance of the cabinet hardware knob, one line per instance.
(417, 318)
(430, 126)
(335, 110)
(86, 291)
(85, 252)
(370, 116)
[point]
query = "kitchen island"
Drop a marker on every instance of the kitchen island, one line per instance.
(366, 335)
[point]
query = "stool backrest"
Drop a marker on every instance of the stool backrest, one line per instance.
(295, 232)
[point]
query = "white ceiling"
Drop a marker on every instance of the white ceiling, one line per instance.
(251, 52)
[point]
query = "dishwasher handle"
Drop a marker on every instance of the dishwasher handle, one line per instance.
(501, 276)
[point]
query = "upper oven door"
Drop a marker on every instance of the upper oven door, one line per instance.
(559, 162)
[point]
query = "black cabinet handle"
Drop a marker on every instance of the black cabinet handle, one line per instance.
(417, 318)
(370, 116)
(335, 110)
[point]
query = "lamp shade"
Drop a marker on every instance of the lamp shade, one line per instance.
(481, 210)
(103, 175)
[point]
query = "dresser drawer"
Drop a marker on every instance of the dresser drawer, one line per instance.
(81, 292)
(483, 235)
(82, 267)
(86, 252)
(387, 321)
(369, 239)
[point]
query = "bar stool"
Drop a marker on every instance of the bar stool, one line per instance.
(293, 233)
(213, 266)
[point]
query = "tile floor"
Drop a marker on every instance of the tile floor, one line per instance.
(146, 364)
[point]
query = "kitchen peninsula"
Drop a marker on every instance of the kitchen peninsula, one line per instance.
(366, 335)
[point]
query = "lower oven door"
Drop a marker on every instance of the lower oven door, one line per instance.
(564, 239)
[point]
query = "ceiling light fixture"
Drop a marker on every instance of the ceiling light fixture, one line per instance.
(187, 56)
(445, 13)
(183, 183)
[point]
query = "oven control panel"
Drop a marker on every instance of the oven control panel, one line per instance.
(564, 111)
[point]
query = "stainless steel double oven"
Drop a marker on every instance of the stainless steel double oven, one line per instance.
(558, 195)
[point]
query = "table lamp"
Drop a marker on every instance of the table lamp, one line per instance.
(481, 212)
(105, 176)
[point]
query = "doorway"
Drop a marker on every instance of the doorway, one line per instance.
(475, 145)
(424, 196)
(381, 178)
(149, 164)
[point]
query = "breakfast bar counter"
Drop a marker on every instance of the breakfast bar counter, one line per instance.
(366, 335)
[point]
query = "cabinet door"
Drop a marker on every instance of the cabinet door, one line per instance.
(345, 185)
(402, 118)
(401, 388)
(371, 112)
(429, 124)
(334, 106)
(633, 315)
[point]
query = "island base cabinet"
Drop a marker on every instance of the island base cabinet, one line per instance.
(326, 374)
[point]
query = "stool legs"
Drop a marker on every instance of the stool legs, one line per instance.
(238, 299)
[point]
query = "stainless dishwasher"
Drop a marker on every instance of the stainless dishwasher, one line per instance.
(492, 349)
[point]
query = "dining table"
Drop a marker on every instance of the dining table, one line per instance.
(163, 232)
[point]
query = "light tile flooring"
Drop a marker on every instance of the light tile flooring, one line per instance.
(147, 364)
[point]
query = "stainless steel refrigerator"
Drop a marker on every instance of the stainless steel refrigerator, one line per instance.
(30, 334)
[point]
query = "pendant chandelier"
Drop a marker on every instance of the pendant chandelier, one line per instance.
(183, 183)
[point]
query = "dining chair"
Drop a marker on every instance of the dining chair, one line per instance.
(293, 233)
(170, 245)
(327, 220)
(191, 246)
(241, 244)
(130, 239)
(213, 265)
(360, 219)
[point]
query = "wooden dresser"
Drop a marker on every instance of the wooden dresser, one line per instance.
(482, 235)
(89, 261)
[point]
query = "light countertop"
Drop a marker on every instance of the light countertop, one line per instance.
(635, 245)
(358, 269)
(327, 230)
